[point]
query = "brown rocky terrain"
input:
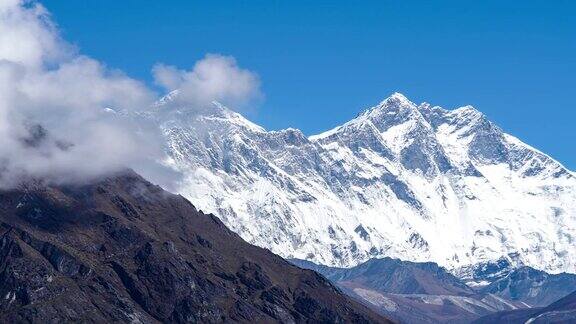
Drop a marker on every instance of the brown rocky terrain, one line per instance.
(124, 250)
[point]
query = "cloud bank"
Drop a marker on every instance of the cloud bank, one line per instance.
(62, 113)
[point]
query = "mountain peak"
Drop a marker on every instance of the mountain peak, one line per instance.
(468, 111)
(235, 118)
(396, 99)
(169, 97)
(173, 101)
(170, 108)
(393, 110)
(397, 96)
(395, 104)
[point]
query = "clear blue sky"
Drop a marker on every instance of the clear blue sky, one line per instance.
(322, 62)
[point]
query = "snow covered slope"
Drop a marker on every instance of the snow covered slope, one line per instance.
(419, 183)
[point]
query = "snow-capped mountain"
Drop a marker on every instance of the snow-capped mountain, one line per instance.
(415, 182)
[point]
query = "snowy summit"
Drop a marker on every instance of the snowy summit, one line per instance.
(415, 182)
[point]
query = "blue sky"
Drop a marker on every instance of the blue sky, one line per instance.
(322, 62)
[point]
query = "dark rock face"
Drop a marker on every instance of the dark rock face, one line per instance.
(124, 250)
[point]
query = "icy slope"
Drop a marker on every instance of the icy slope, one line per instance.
(418, 183)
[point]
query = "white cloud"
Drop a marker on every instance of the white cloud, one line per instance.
(55, 121)
(27, 35)
(53, 124)
(214, 78)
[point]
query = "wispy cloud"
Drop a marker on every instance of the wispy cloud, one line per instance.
(215, 77)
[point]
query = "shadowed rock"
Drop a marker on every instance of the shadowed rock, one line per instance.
(124, 250)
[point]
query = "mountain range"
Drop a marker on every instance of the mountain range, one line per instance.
(418, 213)
(561, 311)
(531, 287)
(411, 292)
(414, 182)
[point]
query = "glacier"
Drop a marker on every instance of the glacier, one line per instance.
(401, 180)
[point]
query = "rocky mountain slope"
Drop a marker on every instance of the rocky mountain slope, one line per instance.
(415, 182)
(395, 276)
(561, 311)
(124, 250)
(412, 292)
(533, 287)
